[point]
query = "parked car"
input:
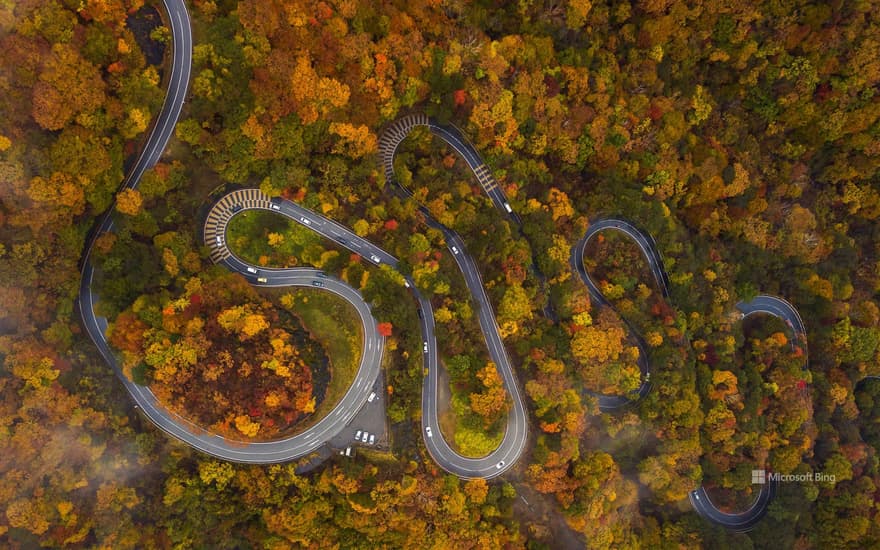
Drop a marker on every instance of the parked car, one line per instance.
(357, 436)
(372, 440)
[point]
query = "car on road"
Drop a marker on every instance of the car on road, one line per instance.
(508, 208)
(251, 270)
(419, 311)
(425, 347)
(454, 249)
(276, 207)
(406, 283)
(372, 440)
(340, 240)
(499, 465)
(318, 283)
(375, 258)
(322, 275)
(262, 280)
(428, 431)
(305, 220)
(236, 208)
(357, 436)
(372, 396)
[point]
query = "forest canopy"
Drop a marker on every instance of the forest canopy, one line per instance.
(744, 137)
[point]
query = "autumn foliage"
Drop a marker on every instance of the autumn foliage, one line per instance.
(224, 358)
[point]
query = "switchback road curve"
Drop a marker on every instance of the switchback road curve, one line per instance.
(655, 263)
(166, 420)
(178, 81)
(747, 519)
(763, 304)
(516, 434)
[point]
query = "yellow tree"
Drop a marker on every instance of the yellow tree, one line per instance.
(129, 201)
(492, 401)
(356, 142)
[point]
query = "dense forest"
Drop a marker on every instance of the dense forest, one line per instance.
(745, 137)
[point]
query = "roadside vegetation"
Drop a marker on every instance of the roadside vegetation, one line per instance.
(742, 136)
(333, 323)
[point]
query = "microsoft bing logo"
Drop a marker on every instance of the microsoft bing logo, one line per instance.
(759, 477)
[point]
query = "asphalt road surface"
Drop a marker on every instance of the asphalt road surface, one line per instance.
(516, 434)
(289, 448)
(747, 519)
(741, 521)
(173, 424)
(763, 304)
(655, 263)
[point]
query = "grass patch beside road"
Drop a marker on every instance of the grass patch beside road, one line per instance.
(334, 323)
(265, 238)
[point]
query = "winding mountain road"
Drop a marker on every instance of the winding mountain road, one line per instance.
(747, 519)
(762, 304)
(516, 434)
(655, 263)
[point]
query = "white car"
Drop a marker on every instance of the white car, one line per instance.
(428, 431)
(406, 284)
(276, 207)
(357, 436)
(500, 465)
(251, 270)
(372, 440)
(508, 208)
(219, 240)
(348, 451)
(304, 220)
(375, 258)
(372, 396)
(454, 250)
(365, 437)
(425, 347)
(262, 280)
